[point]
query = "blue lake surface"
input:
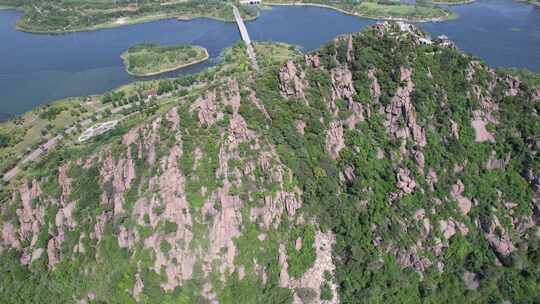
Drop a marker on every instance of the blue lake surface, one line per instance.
(37, 68)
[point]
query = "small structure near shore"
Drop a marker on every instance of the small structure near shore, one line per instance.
(444, 41)
(97, 129)
(250, 2)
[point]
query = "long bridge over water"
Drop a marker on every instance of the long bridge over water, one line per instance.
(245, 36)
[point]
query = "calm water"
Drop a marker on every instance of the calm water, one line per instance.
(35, 69)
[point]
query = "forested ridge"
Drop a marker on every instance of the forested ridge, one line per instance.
(386, 166)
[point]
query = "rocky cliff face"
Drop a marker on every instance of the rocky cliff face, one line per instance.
(347, 175)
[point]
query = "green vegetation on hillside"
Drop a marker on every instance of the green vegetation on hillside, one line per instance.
(152, 59)
(188, 173)
(105, 271)
(360, 212)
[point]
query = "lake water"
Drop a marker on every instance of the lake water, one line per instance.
(35, 69)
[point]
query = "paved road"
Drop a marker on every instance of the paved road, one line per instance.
(44, 148)
(245, 36)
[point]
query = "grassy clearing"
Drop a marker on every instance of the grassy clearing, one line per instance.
(271, 54)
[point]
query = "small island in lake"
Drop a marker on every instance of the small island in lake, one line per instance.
(152, 59)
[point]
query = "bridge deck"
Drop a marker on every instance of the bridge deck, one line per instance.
(245, 36)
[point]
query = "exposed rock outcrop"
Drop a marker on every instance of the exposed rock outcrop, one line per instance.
(300, 127)
(494, 163)
(292, 81)
(207, 110)
(179, 266)
(375, 89)
(9, 236)
(138, 287)
(173, 117)
(233, 96)
(335, 141)
(30, 219)
(357, 115)
(120, 173)
(535, 95)
(450, 227)
(401, 108)
(480, 130)
(342, 84)
(274, 208)
(455, 128)
(471, 280)
(485, 115)
(412, 258)
(313, 60)
(464, 203)
(404, 181)
(498, 237)
(314, 277)
(513, 86)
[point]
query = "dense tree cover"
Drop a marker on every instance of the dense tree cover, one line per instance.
(5, 140)
(50, 112)
(366, 274)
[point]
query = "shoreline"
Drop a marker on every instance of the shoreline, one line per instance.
(463, 2)
(451, 16)
(533, 3)
(116, 24)
(157, 17)
(101, 26)
(184, 65)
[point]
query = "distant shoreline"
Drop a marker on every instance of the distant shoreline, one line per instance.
(116, 24)
(123, 21)
(451, 16)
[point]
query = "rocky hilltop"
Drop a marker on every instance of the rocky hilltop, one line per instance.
(386, 166)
